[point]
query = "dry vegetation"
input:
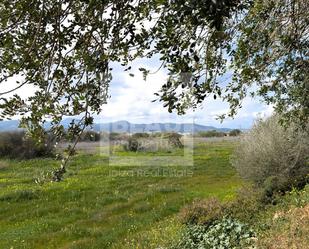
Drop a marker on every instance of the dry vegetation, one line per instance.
(288, 230)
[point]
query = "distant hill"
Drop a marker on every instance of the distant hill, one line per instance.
(125, 126)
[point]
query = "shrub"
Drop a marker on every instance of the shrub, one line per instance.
(114, 136)
(17, 145)
(140, 135)
(246, 204)
(224, 233)
(212, 133)
(90, 136)
(235, 132)
(132, 145)
(174, 139)
(201, 212)
(146, 143)
(297, 197)
(273, 156)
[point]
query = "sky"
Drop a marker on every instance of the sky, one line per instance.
(131, 100)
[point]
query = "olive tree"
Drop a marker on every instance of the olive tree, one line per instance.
(272, 155)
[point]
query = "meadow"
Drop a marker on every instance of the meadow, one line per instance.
(99, 205)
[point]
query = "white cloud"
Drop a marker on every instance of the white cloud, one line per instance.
(131, 96)
(131, 100)
(24, 91)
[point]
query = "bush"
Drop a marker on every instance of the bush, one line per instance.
(212, 133)
(247, 222)
(174, 139)
(201, 212)
(132, 145)
(114, 136)
(90, 136)
(146, 143)
(248, 201)
(224, 233)
(140, 135)
(246, 204)
(235, 132)
(272, 156)
(16, 145)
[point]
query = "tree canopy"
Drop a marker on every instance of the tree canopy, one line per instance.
(261, 49)
(224, 49)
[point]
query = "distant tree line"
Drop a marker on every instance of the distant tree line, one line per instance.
(215, 133)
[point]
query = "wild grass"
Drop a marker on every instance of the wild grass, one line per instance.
(92, 208)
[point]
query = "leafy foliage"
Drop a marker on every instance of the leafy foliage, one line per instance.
(248, 202)
(273, 156)
(201, 212)
(17, 145)
(225, 233)
(174, 139)
(261, 50)
(90, 136)
(248, 222)
(212, 133)
(63, 49)
(114, 136)
(235, 132)
(132, 145)
(140, 135)
(152, 143)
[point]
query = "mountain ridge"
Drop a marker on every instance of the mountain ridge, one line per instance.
(125, 126)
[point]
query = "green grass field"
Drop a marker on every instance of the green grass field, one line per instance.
(94, 208)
